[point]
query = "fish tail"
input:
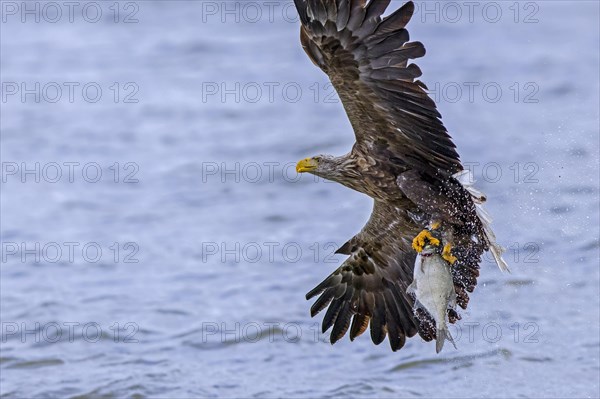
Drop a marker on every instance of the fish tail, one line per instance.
(443, 334)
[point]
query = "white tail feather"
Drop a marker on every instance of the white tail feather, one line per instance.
(465, 178)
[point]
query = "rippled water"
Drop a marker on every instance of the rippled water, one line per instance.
(208, 241)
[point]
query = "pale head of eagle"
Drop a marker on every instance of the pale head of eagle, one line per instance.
(339, 169)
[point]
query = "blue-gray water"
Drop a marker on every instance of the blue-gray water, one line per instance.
(208, 240)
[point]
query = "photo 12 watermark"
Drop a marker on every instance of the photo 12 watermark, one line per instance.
(69, 252)
(69, 172)
(68, 331)
(54, 12)
(69, 92)
(490, 12)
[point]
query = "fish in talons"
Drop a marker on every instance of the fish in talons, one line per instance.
(433, 289)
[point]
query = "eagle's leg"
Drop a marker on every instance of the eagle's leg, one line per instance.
(424, 236)
(447, 254)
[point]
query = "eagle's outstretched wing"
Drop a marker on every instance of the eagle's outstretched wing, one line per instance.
(371, 284)
(366, 58)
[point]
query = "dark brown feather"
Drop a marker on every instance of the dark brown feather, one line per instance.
(331, 314)
(360, 322)
(342, 323)
(395, 21)
(322, 302)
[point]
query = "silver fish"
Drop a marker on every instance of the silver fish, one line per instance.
(433, 288)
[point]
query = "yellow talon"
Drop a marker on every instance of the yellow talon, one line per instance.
(447, 254)
(435, 225)
(419, 241)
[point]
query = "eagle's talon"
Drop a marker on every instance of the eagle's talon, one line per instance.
(419, 241)
(447, 254)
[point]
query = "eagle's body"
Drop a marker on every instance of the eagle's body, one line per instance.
(404, 159)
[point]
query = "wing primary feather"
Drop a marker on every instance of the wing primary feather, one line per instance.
(341, 324)
(328, 282)
(360, 322)
(331, 314)
(372, 18)
(343, 14)
(357, 14)
(378, 321)
(301, 6)
(376, 8)
(322, 302)
(395, 21)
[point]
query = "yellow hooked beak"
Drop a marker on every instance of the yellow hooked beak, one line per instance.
(306, 165)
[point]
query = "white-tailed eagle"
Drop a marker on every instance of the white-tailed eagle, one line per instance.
(405, 160)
